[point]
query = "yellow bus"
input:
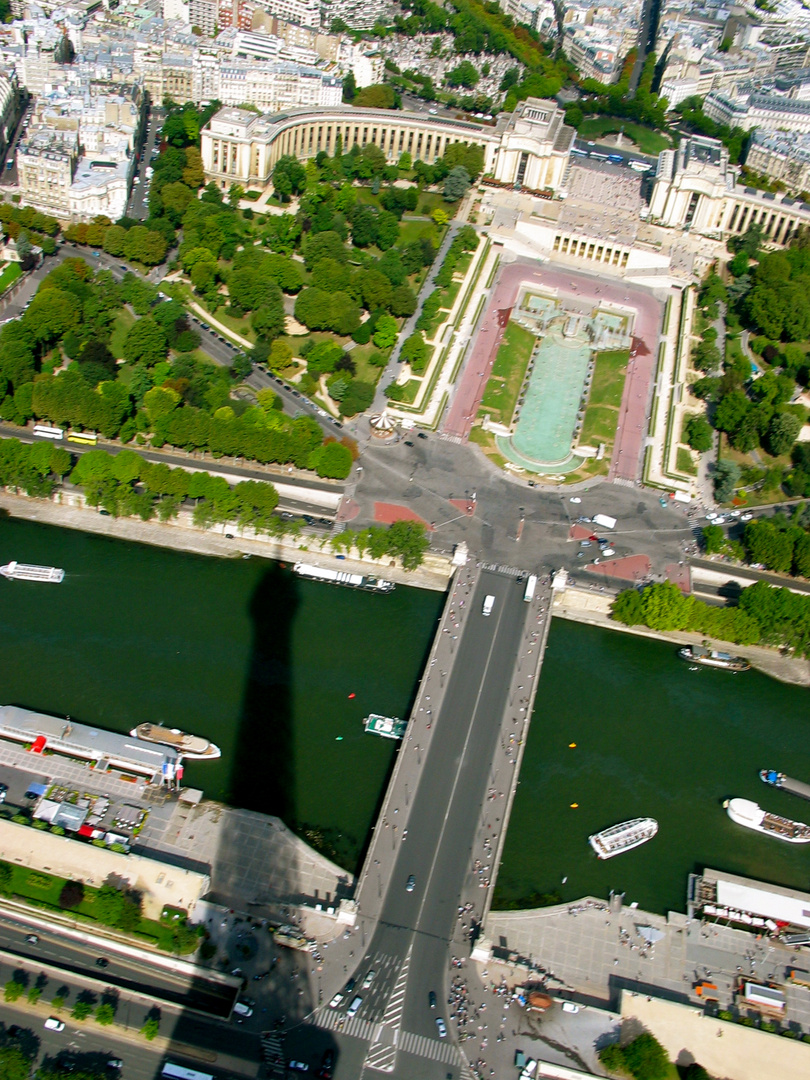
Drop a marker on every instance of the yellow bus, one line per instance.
(88, 438)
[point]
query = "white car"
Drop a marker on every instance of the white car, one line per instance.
(746, 517)
(336, 1000)
(369, 979)
(575, 499)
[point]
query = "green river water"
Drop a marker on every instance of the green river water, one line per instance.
(238, 650)
(262, 663)
(653, 739)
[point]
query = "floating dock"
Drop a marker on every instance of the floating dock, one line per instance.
(105, 750)
(787, 783)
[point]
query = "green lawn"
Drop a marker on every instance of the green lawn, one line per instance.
(449, 295)
(684, 462)
(599, 425)
(733, 350)
(43, 890)
(121, 324)
(510, 365)
(406, 394)
(9, 275)
(608, 378)
(647, 140)
(429, 200)
(413, 230)
(366, 372)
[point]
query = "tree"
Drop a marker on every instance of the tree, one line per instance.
(698, 433)
(72, 892)
(409, 541)
(415, 351)
(465, 74)
(380, 96)
(108, 904)
(627, 608)
(14, 1064)
(714, 539)
(456, 184)
(289, 177)
(386, 332)
(82, 1009)
(349, 87)
(13, 990)
(145, 342)
(332, 460)
(151, 1028)
(105, 1014)
(726, 477)
(280, 355)
(145, 246)
(783, 431)
(646, 1059)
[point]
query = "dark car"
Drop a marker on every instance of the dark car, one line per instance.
(350, 985)
(421, 435)
(432, 1000)
(3, 792)
(408, 442)
(327, 1065)
(410, 883)
(102, 962)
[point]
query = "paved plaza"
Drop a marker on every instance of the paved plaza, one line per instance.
(255, 862)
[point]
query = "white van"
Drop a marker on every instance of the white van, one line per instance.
(489, 604)
(241, 1009)
(355, 1005)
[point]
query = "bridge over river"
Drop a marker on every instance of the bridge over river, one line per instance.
(436, 845)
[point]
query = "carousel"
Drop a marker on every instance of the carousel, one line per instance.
(383, 427)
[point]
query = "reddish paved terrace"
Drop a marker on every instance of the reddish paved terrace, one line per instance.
(388, 513)
(630, 568)
(628, 449)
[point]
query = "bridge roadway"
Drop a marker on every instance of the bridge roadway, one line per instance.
(440, 786)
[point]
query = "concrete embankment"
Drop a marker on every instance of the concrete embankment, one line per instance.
(225, 541)
(583, 605)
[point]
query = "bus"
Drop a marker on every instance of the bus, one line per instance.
(88, 438)
(531, 585)
(180, 1072)
(48, 432)
(617, 159)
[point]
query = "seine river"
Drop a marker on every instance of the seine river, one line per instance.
(653, 739)
(277, 671)
(265, 665)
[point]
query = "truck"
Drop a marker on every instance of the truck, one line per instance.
(489, 604)
(531, 585)
(605, 521)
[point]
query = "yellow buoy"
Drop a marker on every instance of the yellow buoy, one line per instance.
(571, 745)
(574, 805)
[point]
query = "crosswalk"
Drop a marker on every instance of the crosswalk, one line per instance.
(353, 1025)
(393, 1009)
(422, 1046)
(511, 571)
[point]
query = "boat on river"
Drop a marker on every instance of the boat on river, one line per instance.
(367, 582)
(752, 816)
(390, 727)
(772, 777)
(623, 837)
(17, 571)
(699, 654)
(190, 746)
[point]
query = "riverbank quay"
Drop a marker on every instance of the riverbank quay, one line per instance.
(224, 541)
(593, 608)
(254, 861)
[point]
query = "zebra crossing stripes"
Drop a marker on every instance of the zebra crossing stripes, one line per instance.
(354, 1025)
(393, 1008)
(382, 1057)
(511, 571)
(424, 1047)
